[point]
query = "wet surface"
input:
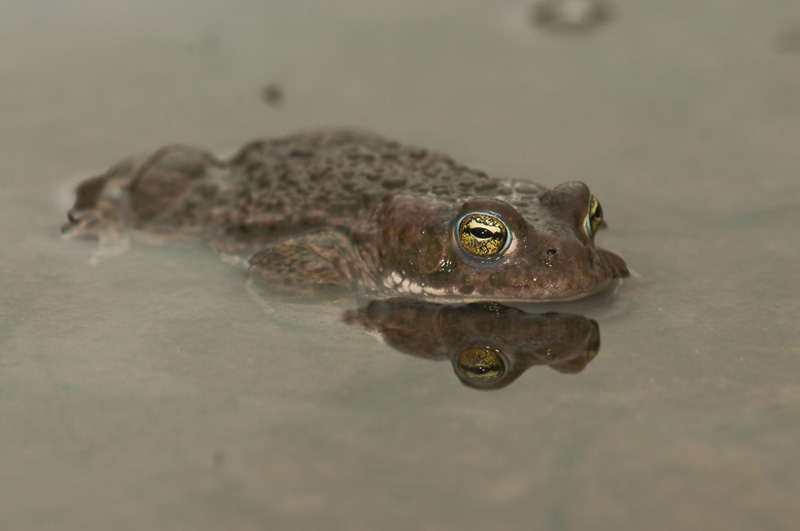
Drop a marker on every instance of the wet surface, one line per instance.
(789, 41)
(151, 392)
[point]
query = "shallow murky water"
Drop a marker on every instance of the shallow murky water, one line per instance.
(151, 392)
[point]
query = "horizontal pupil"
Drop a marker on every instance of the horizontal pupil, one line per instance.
(479, 232)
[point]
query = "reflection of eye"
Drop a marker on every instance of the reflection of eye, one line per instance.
(480, 365)
(482, 234)
(594, 216)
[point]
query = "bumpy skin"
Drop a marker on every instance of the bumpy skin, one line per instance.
(340, 213)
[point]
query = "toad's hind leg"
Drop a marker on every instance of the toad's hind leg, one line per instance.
(320, 265)
(138, 190)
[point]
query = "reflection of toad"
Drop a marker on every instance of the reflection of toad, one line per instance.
(341, 214)
(489, 345)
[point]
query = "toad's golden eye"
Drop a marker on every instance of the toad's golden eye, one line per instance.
(483, 234)
(594, 217)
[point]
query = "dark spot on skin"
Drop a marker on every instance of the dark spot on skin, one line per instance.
(466, 290)
(551, 252)
(302, 152)
(361, 153)
(253, 164)
(392, 183)
(314, 217)
(207, 192)
(369, 197)
(315, 174)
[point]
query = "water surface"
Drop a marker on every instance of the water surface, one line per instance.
(151, 392)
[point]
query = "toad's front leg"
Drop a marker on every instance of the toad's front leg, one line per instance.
(320, 265)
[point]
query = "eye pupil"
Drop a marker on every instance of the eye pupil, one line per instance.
(598, 213)
(480, 232)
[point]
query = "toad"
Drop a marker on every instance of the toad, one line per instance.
(343, 213)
